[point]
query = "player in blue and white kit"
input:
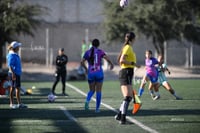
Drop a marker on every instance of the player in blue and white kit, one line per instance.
(95, 72)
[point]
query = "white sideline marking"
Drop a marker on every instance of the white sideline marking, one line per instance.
(68, 114)
(146, 128)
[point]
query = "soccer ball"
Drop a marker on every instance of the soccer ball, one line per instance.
(51, 98)
(29, 91)
(123, 3)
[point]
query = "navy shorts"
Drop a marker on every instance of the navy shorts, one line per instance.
(15, 83)
(126, 76)
(153, 79)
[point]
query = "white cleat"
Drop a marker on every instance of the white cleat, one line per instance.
(156, 98)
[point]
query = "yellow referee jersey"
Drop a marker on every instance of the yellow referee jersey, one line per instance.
(130, 56)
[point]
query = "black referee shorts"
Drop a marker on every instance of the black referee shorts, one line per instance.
(126, 76)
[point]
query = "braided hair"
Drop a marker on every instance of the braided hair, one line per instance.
(95, 44)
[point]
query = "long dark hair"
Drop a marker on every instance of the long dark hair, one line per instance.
(149, 51)
(128, 37)
(95, 44)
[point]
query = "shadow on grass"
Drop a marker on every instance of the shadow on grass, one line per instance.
(91, 113)
(40, 96)
(168, 112)
(38, 120)
(27, 76)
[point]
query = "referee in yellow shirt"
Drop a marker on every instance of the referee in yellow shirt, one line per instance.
(127, 61)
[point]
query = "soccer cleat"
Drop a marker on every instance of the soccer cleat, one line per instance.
(118, 116)
(86, 106)
(13, 106)
(156, 98)
(179, 98)
(123, 119)
(65, 94)
(152, 96)
(97, 111)
(22, 106)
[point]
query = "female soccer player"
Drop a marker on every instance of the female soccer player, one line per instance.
(127, 62)
(162, 80)
(95, 72)
(151, 74)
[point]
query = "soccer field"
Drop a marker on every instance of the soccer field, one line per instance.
(67, 114)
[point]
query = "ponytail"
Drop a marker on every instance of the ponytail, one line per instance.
(91, 58)
(128, 37)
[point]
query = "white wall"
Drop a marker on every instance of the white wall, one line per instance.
(86, 11)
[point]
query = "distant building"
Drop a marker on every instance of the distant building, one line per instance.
(70, 21)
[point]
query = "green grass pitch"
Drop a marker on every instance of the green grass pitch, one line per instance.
(67, 114)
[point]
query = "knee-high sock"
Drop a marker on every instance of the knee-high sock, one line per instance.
(140, 92)
(125, 104)
(98, 100)
(89, 96)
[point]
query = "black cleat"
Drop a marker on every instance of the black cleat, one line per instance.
(65, 94)
(118, 117)
(123, 119)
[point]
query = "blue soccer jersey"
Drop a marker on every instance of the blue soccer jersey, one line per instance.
(95, 71)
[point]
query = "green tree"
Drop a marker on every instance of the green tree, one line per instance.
(16, 18)
(161, 20)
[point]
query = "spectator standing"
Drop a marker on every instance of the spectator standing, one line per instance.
(14, 73)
